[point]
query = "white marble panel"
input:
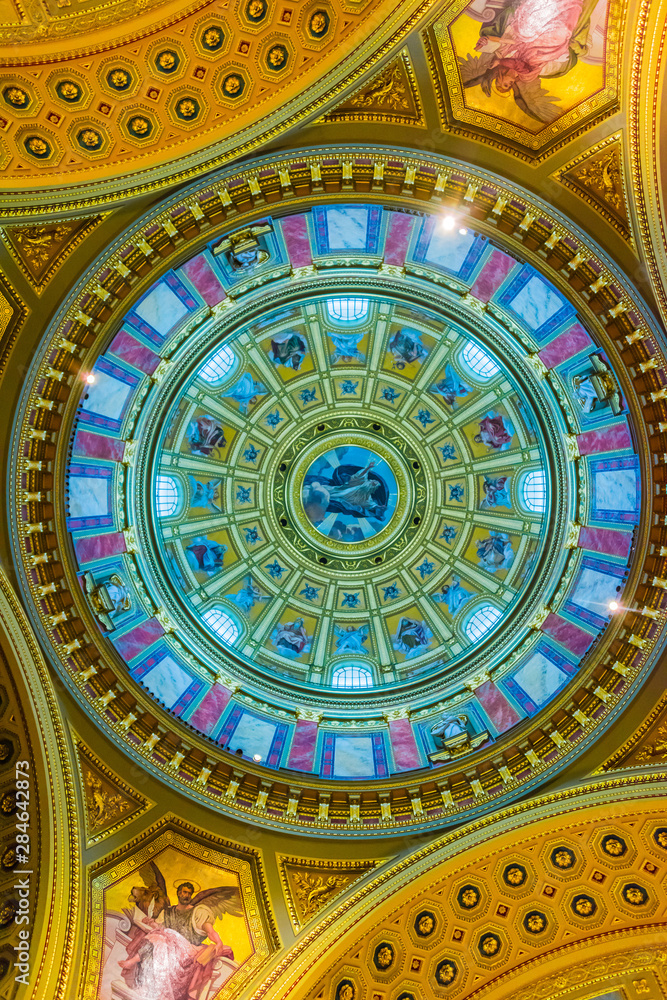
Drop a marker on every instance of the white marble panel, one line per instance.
(162, 308)
(616, 489)
(595, 590)
(253, 736)
(449, 249)
(167, 681)
(540, 677)
(107, 396)
(536, 303)
(347, 227)
(88, 496)
(353, 757)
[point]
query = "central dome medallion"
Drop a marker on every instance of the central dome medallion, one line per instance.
(353, 484)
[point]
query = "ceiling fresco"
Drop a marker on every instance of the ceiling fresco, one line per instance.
(353, 499)
(528, 73)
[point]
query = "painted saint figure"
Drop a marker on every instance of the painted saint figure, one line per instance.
(288, 349)
(450, 387)
(205, 436)
(205, 555)
(453, 595)
(495, 431)
(246, 392)
(352, 491)
(495, 552)
(407, 348)
(496, 492)
(291, 638)
(412, 637)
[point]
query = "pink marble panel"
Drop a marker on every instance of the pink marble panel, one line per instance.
(125, 346)
(403, 745)
(571, 636)
(203, 277)
(605, 439)
(302, 751)
(613, 543)
(398, 238)
(492, 275)
(295, 233)
(497, 707)
(98, 446)
(99, 546)
(565, 346)
(210, 708)
(138, 639)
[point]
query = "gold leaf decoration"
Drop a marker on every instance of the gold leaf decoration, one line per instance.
(311, 884)
(597, 177)
(646, 747)
(40, 249)
(110, 803)
(391, 96)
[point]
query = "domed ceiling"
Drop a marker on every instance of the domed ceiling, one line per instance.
(352, 496)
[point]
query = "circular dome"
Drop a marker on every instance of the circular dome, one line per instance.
(348, 495)
(382, 491)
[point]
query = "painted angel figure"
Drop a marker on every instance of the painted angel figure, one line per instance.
(350, 639)
(205, 494)
(247, 596)
(205, 436)
(495, 552)
(495, 431)
(524, 42)
(450, 387)
(412, 637)
(496, 492)
(288, 349)
(453, 595)
(167, 954)
(346, 347)
(407, 348)
(246, 392)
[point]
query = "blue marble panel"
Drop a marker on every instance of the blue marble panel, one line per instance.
(161, 308)
(597, 583)
(536, 302)
(107, 396)
(616, 492)
(88, 496)
(540, 678)
(449, 249)
(353, 757)
(347, 227)
(167, 681)
(253, 735)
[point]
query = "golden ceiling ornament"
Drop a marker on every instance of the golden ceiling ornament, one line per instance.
(310, 884)
(110, 803)
(275, 82)
(168, 235)
(13, 312)
(41, 249)
(647, 747)
(391, 96)
(598, 177)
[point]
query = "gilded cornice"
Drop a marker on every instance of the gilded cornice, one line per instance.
(170, 234)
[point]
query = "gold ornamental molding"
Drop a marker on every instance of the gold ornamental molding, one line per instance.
(173, 232)
(391, 97)
(311, 884)
(40, 250)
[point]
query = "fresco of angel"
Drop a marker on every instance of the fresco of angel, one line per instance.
(450, 387)
(453, 595)
(173, 950)
(525, 42)
(205, 495)
(205, 436)
(495, 431)
(350, 639)
(496, 492)
(495, 552)
(346, 347)
(247, 596)
(288, 349)
(406, 348)
(412, 637)
(246, 392)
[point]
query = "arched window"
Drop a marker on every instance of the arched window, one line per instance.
(352, 675)
(222, 624)
(219, 365)
(479, 362)
(533, 491)
(482, 620)
(167, 496)
(348, 310)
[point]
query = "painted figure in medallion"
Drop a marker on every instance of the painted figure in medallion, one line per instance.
(496, 492)
(205, 555)
(288, 349)
(495, 431)
(205, 436)
(524, 42)
(291, 638)
(495, 552)
(406, 348)
(412, 637)
(451, 387)
(453, 595)
(246, 392)
(346, 499)
(167, 954)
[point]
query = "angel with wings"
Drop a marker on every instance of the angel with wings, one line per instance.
(167, 954)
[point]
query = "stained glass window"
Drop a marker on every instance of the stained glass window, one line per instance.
(222, 624)
(482, 620)
(534, 491)
(352, 675)
(479, 362)
(348, 310)
(218, 366)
